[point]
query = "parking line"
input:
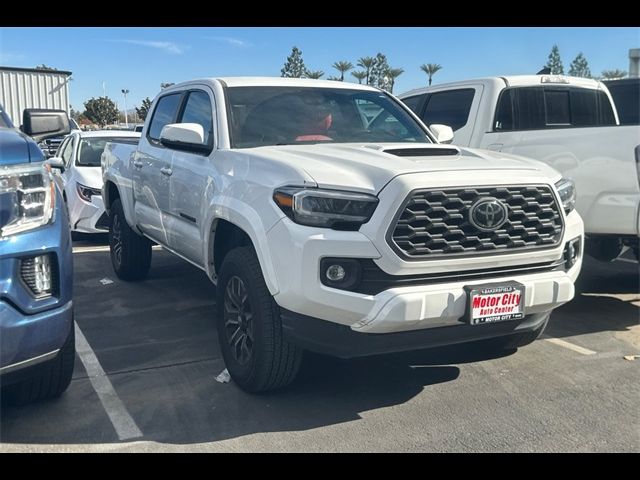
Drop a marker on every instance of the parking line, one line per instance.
(122, 422)
(102, 248)
(570, 346)
(627, 260)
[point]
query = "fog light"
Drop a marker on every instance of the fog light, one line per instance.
(342, 273)
(38, 274)
(571, 253)
(336, 273)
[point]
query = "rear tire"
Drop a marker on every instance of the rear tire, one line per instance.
(130, 252)
(257, 356)
(48, 380)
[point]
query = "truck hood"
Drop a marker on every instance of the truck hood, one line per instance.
(16, 147)
(369, 167)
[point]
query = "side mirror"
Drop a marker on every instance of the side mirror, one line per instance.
(443, 133)
(56, 162)
(40, 124)
(184, 136)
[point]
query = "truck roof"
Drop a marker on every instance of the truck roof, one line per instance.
(512, 81)
(277, 82)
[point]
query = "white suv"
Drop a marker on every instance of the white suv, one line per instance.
(329, 228)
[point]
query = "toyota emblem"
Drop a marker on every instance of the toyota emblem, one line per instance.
(488, 214)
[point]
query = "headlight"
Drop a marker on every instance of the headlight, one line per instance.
(27, 198)
(567, 191)
(325, 208)
(86, 193)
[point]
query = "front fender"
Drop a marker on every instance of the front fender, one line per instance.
(253, 224)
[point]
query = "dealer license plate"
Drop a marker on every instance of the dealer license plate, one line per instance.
(495, 303)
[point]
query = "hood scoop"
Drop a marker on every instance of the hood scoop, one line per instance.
(423, 151)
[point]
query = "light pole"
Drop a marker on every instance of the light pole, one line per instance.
(126, 117)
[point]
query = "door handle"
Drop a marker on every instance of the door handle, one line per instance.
(166, 171)
(138, 164)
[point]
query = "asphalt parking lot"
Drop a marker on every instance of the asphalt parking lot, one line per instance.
(145, 380)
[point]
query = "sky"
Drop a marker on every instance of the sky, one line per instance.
(105, 59)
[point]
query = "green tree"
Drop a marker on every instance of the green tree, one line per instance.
(359, 75)
(393, 73)
(430, 69)
(554, 62)
(580, 67)
(342, 67)
(101, 110)
(367, 63)
(378, 76)
(45, 67)
(314, 74)
(294, 66)
(614, 73)
(144, 108)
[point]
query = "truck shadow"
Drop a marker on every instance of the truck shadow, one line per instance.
(604, 301)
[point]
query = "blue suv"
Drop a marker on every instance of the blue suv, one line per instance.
(37, 343)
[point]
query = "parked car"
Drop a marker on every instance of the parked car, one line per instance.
(37, 348)
(80, 173)
(325, 233)
(569, 123)
(626, 96)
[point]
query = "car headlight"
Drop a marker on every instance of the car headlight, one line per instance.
(86, 193)
(27, 198)
(325, 208)
(567, 191)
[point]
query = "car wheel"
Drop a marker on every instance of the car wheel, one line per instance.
(130, 252)
(255, 352)
(49, 379)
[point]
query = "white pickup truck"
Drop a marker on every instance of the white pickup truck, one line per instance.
(331, 219)
(569, 123)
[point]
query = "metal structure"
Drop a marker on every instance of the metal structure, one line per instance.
(22, 88)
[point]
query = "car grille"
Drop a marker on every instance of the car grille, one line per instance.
(435, 223)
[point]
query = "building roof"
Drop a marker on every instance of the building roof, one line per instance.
(35, 70)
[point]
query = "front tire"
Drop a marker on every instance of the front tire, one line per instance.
(130, 252)
(255, 352)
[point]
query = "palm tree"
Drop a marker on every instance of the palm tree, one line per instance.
(342, 67)
(393, 73)
(430, 69)
(314, 73)
(360, 75)
(367, 63)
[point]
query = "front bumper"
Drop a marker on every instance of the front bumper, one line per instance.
(88, 217)
(25, 338)
(406, 308)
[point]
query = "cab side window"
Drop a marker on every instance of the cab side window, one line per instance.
(198, 110)
(449, 108)
(165, 112)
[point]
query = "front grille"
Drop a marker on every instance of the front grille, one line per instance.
(435, 223)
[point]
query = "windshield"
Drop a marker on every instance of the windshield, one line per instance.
(90, 150)
(296, 115)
